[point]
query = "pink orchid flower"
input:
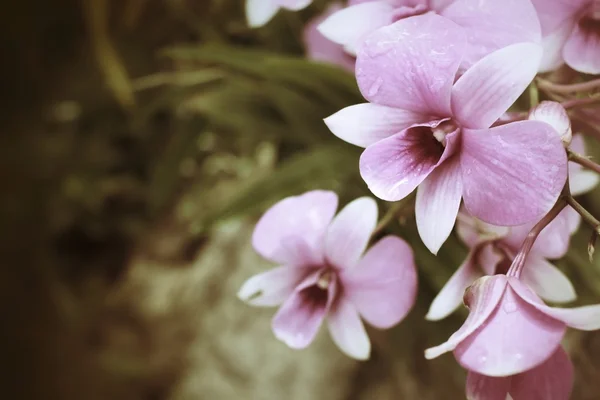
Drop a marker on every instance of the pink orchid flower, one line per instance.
(551, 380)
(485, 22)
(493, 248)
(571, 34)
(319, 48)
(509, 330)
(324, 274)
(259, 12)
(422, 129)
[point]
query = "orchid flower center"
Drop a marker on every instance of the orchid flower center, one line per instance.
(442, 130)
(325, 279)
(590, 22)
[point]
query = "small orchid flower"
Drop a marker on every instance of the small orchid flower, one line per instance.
(324, 274)
(551, 380)
(571, 34)
(493, 249)
(485, 22)
(422, 129)
(509, 330)
(319, 48)
(259, 12)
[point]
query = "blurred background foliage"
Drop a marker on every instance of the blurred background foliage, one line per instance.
(141, 139)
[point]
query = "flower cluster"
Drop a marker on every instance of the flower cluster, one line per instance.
(445, 116)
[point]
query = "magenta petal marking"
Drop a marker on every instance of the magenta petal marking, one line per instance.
(299, 318)
(582, 50)
(514, 173)
(552, 380)
(383, 286)
(482, 298)
(348, 331)
(292, 232)
(515, 337)
(349, 232)
(411, 64)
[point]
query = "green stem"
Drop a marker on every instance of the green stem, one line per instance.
(585, 214)
(534, 95)
(389, 216)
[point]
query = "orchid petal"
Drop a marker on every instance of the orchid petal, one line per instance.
(437, 204)
(486, 27)
(582, 49)
(259, 12)
(481, 298)
(514, 173)
(552, 380)
(451, 295)
(492, 85)
(294, 5)
(473, 231)
(383, 286)
(583, 182)
(348, 27)
(367, 123)
(481, 387)
(319, 48)
(553, 45)
(348, 331)
(349, 232)
(553, 14)
(585, 318)
(547, 281)
(273, 287)
(292, 232)
(411, 64)
(299, 318)
(515, 337)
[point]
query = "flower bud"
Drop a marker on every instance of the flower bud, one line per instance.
(555, 115)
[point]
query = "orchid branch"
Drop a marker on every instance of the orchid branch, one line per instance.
(568, 88)
(519, 261)
(583, 161)
(389, 216)
(580, 103)
(589, 219)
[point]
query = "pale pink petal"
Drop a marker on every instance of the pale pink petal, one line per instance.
(482, 299)
(348, 27)
(394, 167)
(294, 5)
(473, 231)
(583, 182)
(481, 387)
(515, 337)
(451, 295)
(367, 123)
(259, 12)
(437, 203)
(555, 115)
(485, 22)
(319, 48)
(586, 318)
(292, 232)
(348, 331)
(547, 281)
(383, 286)
(299, 318)
(553, 45)
(412, 64)
(490, 257)
(553, 241)
(349, 232)
(554, 13)
(514, 173)
(582, 50)
(492, 85)
(578, 146)
(273, 287)
(552, 380)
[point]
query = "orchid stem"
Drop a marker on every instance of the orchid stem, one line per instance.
(574, 103)
(583, 161)
(519, 261)
(534, 95)
(389, 216)
(568, 88)
(590, 220)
